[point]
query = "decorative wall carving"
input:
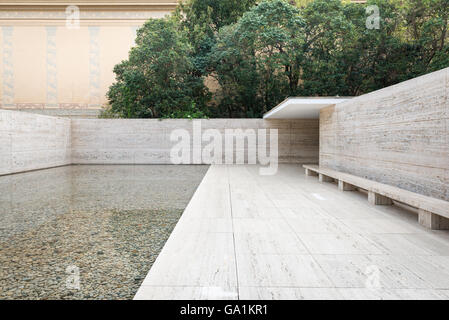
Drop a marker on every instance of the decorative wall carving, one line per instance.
(8, 66)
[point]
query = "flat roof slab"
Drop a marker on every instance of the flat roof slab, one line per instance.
(302, 108)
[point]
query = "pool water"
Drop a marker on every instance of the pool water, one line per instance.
(88, 232)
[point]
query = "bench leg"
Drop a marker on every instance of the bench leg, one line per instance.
(343, 186)
(323, 178)
(377, 199)
(432, 221)
(310, 173)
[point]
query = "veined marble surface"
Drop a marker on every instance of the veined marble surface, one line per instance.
(287, 236)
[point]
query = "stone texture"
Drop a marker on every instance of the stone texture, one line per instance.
(432, 221)
(383, 194)
(310, 173)
(324, 178)
(397, 135)
(377, 199)
(147, 141)
(343, 186)
(30, 142)
(335, 246)
(64, 110)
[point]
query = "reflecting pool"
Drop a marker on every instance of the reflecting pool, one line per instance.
(88, 232)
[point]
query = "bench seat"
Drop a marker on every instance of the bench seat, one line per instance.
(431, 210)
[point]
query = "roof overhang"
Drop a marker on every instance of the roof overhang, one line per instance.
(302, 108)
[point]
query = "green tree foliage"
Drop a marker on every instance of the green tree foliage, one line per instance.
(191, 113)
(425, 27)
(261, 52)
(202, 19)
(353, 59)
(158, 78)
(325, 49)
(257, 61)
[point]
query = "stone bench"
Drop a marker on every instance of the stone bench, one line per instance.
(433, 213)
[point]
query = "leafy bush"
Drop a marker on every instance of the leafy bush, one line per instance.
(107, 113)
(261, 52)
(192, 113)
(157, 79)
(258, 60)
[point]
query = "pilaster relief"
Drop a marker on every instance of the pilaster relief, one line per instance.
(8, 67)
(94, 67)
(52, 70)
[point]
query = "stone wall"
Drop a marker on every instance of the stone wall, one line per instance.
(106, 141)
(398, 135)
(66, 113)
(29, 141)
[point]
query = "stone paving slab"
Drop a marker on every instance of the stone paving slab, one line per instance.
(287, 236)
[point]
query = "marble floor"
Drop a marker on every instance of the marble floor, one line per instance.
(287, 236)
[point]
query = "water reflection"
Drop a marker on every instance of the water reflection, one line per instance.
(108, 222)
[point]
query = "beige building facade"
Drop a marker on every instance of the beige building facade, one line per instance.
(57, 56)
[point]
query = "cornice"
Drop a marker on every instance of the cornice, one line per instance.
(86, 8)
(89, 3)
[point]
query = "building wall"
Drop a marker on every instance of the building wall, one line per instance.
(398, 135)
(48, 63)
(29, 141)
(147, 141)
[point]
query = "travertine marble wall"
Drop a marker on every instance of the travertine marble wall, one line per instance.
(398, 135)
(29, 141)
(106, 141)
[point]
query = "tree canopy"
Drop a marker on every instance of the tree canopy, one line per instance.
(260, 52)
(257, 61)
(157, 80)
